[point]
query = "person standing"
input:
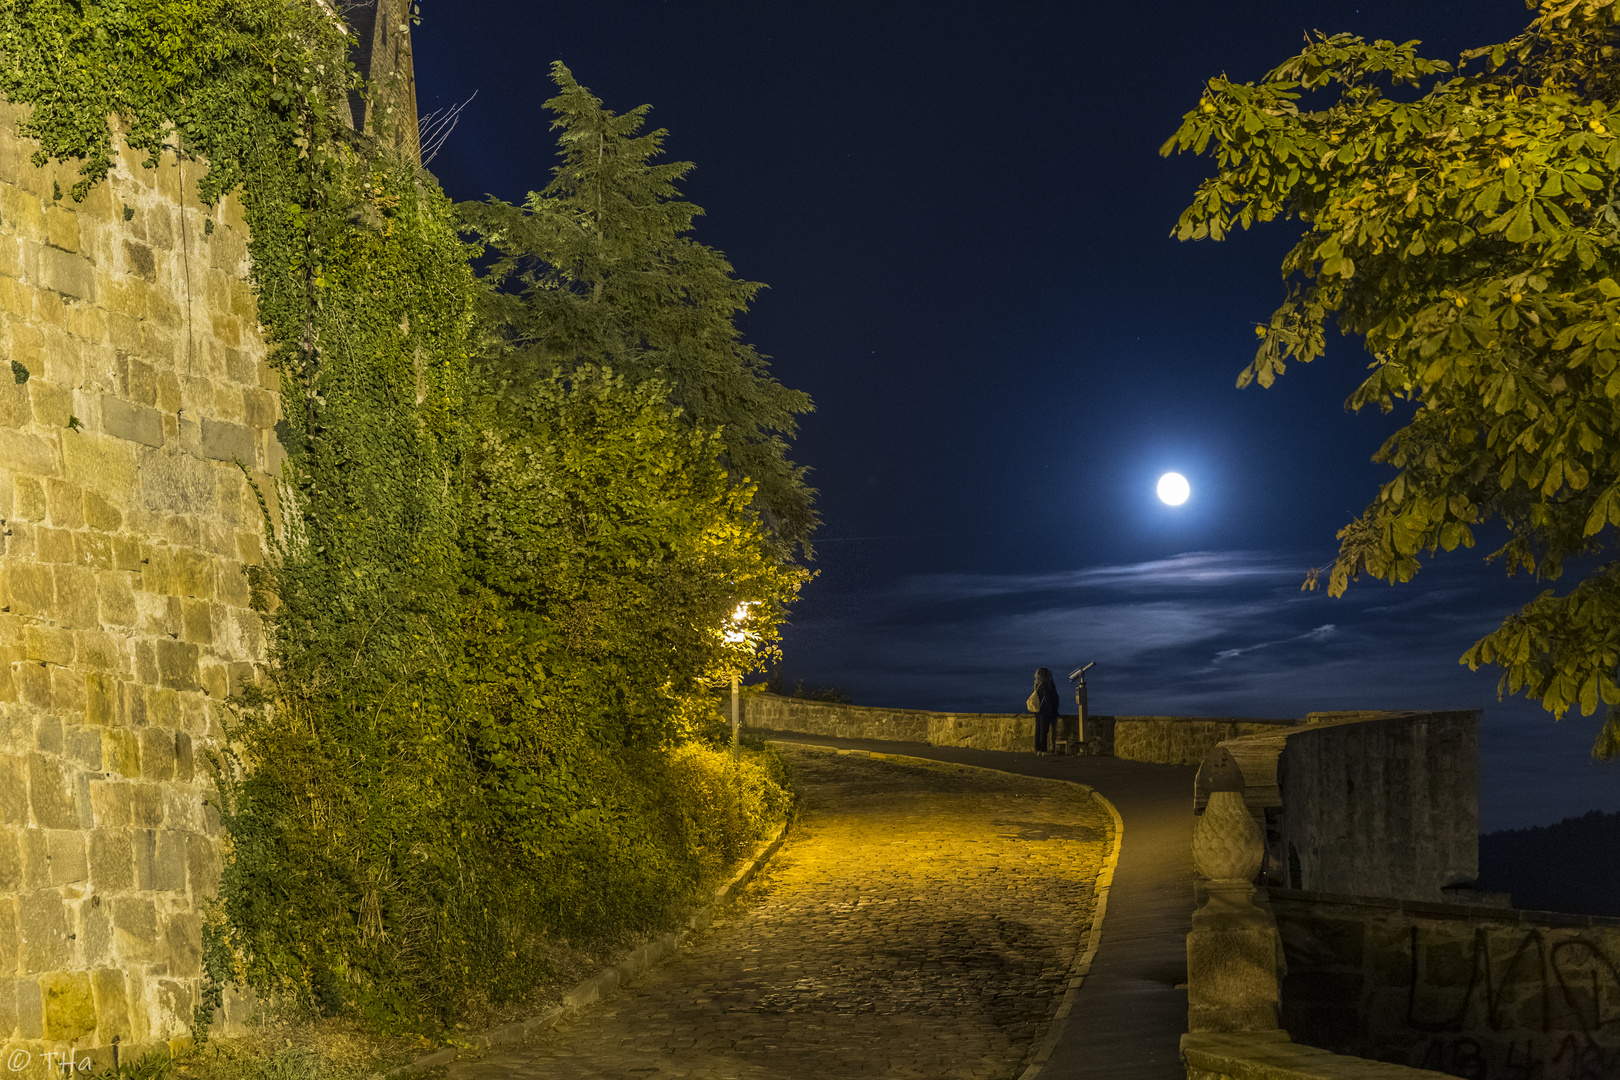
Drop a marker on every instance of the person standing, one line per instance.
(1043, 702)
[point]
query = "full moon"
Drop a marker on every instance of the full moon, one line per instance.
(1173, 489)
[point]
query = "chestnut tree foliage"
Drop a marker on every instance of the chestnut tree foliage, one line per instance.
(1463, 220)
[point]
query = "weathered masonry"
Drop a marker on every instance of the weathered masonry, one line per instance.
(134, 409)
(136, 416)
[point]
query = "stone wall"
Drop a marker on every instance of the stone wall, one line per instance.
(980, 731)
(136, 382)
(1384, 806)
(1170, 740)
(1483, 992)
(1182, 740)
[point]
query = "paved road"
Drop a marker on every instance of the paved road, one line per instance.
(920, 921)
(1130, 1014)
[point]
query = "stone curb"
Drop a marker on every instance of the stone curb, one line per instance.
(1105, 880)
(608, 980)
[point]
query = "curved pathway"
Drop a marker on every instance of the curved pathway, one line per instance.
(1131, 1011)
(920, 921)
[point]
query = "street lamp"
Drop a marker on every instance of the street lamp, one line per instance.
(736, 635)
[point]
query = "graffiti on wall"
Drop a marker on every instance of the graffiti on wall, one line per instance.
(1533, 1005)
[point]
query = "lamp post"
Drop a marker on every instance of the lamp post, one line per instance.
(736, 635)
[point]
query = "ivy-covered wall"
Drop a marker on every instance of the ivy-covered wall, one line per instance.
(441, 618)
(132, 382)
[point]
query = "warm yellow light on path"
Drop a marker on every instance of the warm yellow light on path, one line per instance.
(1173, 489)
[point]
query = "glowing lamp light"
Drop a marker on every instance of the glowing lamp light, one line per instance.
(736, 633)
(1173, 489)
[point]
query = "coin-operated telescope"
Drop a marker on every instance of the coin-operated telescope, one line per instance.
(1078, 678)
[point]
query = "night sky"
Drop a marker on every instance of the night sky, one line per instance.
(962, 217)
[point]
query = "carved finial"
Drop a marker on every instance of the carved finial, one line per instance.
(1227, 845)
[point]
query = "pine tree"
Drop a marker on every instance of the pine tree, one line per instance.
(599, 269)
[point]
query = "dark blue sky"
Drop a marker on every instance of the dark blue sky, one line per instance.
(963, 220)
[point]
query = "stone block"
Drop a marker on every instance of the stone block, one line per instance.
(53, 545)
(259, 409)
(146, 806)
(33, 684)
(112, 1005)
(28, 498)
(102, 464)
(49, 794)
(160, 860)
(177, 664)
(135, 928)
(36, 862)
(77, 604)
(65, 853)
(29, 454)
(127, 555)
(215, 679)
(183, 945)
(224, 442)
(112, 860)
(136, 423)
(120, 750)
(13, 790)
(8, 1005)
(30, 1010)
(64, 504)
(184, 765)
(48, 643)
(83, 746)
(67, 273)
(101, 514)
(178, 484)
(95, 930)
(62, 228)
(42, 920)
(142, 387)
(52, 405)
(70, 1004)
(11, 866)
(100, 701)
(138, 260)
(15, 409)
(93, 550)
(117, 599)
(198, 621)
(28, 589)
(203, 864)
(111, 803)
(145, 662)
(157, 754)
(163, 706)
(48, 731)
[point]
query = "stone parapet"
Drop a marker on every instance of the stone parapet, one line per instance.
(1472, 989)
(1269, 1055)
(1169, 740)
(135, 408)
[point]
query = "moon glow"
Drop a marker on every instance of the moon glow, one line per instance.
(1173, 489)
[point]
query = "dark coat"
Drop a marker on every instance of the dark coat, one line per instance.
(1046, 695)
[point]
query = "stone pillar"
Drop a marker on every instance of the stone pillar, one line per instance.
(1232, 951)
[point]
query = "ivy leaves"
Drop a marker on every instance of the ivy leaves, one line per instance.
(1464, 221)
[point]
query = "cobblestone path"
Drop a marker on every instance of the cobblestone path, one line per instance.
(919, 921)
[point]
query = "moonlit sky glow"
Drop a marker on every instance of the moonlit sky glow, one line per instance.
(1173, 489)
(1006, 348)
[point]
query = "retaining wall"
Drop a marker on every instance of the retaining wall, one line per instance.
(1473, 991)
(124, 618)
(1173, 740)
